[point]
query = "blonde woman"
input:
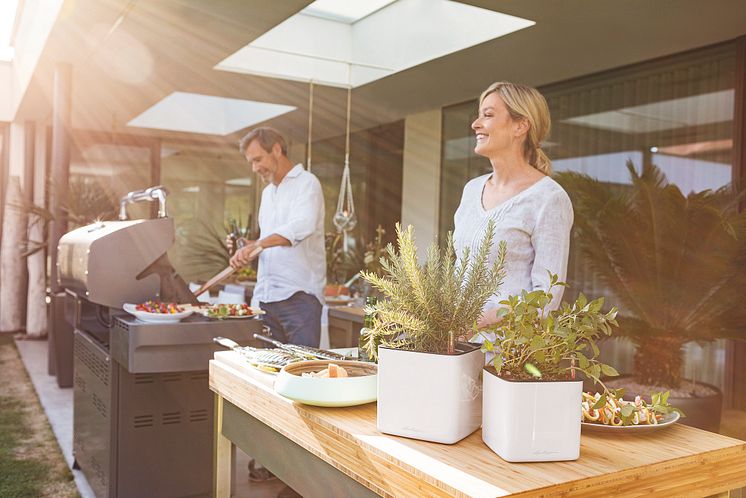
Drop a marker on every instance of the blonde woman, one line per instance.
(532, 212)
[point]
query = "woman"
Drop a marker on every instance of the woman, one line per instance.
(532, 213)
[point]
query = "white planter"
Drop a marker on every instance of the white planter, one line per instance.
(531, 421)
(434, 397)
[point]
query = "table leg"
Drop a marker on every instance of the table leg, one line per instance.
(222, 455)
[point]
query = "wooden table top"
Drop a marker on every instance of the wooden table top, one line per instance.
(353, 313)
(675, 461)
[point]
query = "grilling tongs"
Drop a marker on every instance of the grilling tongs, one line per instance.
(298, 349)
(224, 274)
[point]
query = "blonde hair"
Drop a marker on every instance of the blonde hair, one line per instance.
(524, 102)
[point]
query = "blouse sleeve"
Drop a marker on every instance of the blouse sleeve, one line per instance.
(551, 242)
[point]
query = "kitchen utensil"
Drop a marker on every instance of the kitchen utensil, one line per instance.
(302, 350)
(227, 272)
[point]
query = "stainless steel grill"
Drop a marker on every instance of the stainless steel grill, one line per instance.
(141, 395)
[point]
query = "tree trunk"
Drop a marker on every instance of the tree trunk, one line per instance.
(659, 361)
(12, 264)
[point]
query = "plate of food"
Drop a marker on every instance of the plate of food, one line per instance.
(231, 311)
(337, 300)
(329, 382)
(157, 311)
(613, 414)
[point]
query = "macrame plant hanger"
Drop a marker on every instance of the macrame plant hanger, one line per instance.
(344, 218)
(310, 124)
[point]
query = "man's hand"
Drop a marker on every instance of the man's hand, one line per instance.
(229, 242)
(488, 318)
(243, 255)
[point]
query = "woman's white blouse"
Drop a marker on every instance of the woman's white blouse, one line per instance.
(535, 224)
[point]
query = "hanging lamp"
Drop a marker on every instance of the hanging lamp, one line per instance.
(345, 218)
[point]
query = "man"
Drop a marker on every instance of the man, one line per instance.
(292, 262)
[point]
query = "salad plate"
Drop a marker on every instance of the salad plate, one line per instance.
(667, 421)
(231, 311)
(150, 317)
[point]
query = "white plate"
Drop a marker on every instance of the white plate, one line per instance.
(155, 317)
(257, 311)
(336, 300)
(666, 421)
(346, 391)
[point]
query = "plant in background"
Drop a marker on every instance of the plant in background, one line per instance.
(341, 265)
(675, 263)
(87, 201)
(427, 308)
(536, 343)
(374, 250)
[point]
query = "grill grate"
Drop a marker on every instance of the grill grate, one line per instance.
(100, 405)
(144, 378)
(98, 367)
(171, 418)
(140, 421)
(198, 415)
(171, 377)
(198, 376)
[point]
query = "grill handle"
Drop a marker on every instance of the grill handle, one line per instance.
(157, 193)
(226, 343)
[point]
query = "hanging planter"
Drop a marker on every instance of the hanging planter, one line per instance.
(344, 217)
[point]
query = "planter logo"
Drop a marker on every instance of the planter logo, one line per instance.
(471, 387)
(544, 452)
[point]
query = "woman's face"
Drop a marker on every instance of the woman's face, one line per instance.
(496, 130)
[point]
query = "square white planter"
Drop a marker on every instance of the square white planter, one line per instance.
(531, 421)
(433, 397)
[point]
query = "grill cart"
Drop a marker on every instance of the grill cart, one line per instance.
(143, 420)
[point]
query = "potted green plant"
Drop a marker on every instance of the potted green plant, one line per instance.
(675, 264)
(428, 379)
(532, 390)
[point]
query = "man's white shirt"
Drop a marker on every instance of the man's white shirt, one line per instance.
(293, 209)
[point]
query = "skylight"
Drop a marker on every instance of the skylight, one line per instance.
(7, 18)
(338, 47)
(195, 113)
(346, 11)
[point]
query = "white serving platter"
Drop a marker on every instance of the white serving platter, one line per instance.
(335, 392)
(156, 317)
(666, 421)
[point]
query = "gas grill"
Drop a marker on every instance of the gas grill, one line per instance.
(143, 419)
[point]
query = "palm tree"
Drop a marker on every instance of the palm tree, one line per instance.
(674, 262)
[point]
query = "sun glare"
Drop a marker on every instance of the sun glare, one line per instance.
(7, 18)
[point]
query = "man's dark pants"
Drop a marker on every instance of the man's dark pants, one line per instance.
(296, 320)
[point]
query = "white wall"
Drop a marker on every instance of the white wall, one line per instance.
(35, 25)
(421, 176)
(6, 92)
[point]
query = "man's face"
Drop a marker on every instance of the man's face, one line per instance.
(263, 163)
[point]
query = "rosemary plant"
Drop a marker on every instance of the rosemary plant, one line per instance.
(429, 307)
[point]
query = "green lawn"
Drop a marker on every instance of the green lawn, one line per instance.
(31, 464)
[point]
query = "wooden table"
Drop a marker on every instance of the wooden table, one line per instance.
(329, 452)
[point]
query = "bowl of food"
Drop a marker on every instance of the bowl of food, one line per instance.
(329, 382)
(157, 311)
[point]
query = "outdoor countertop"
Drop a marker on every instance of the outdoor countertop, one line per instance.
(351, 313)
(675, 461)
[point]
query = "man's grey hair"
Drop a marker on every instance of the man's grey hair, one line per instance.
(267, 138)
